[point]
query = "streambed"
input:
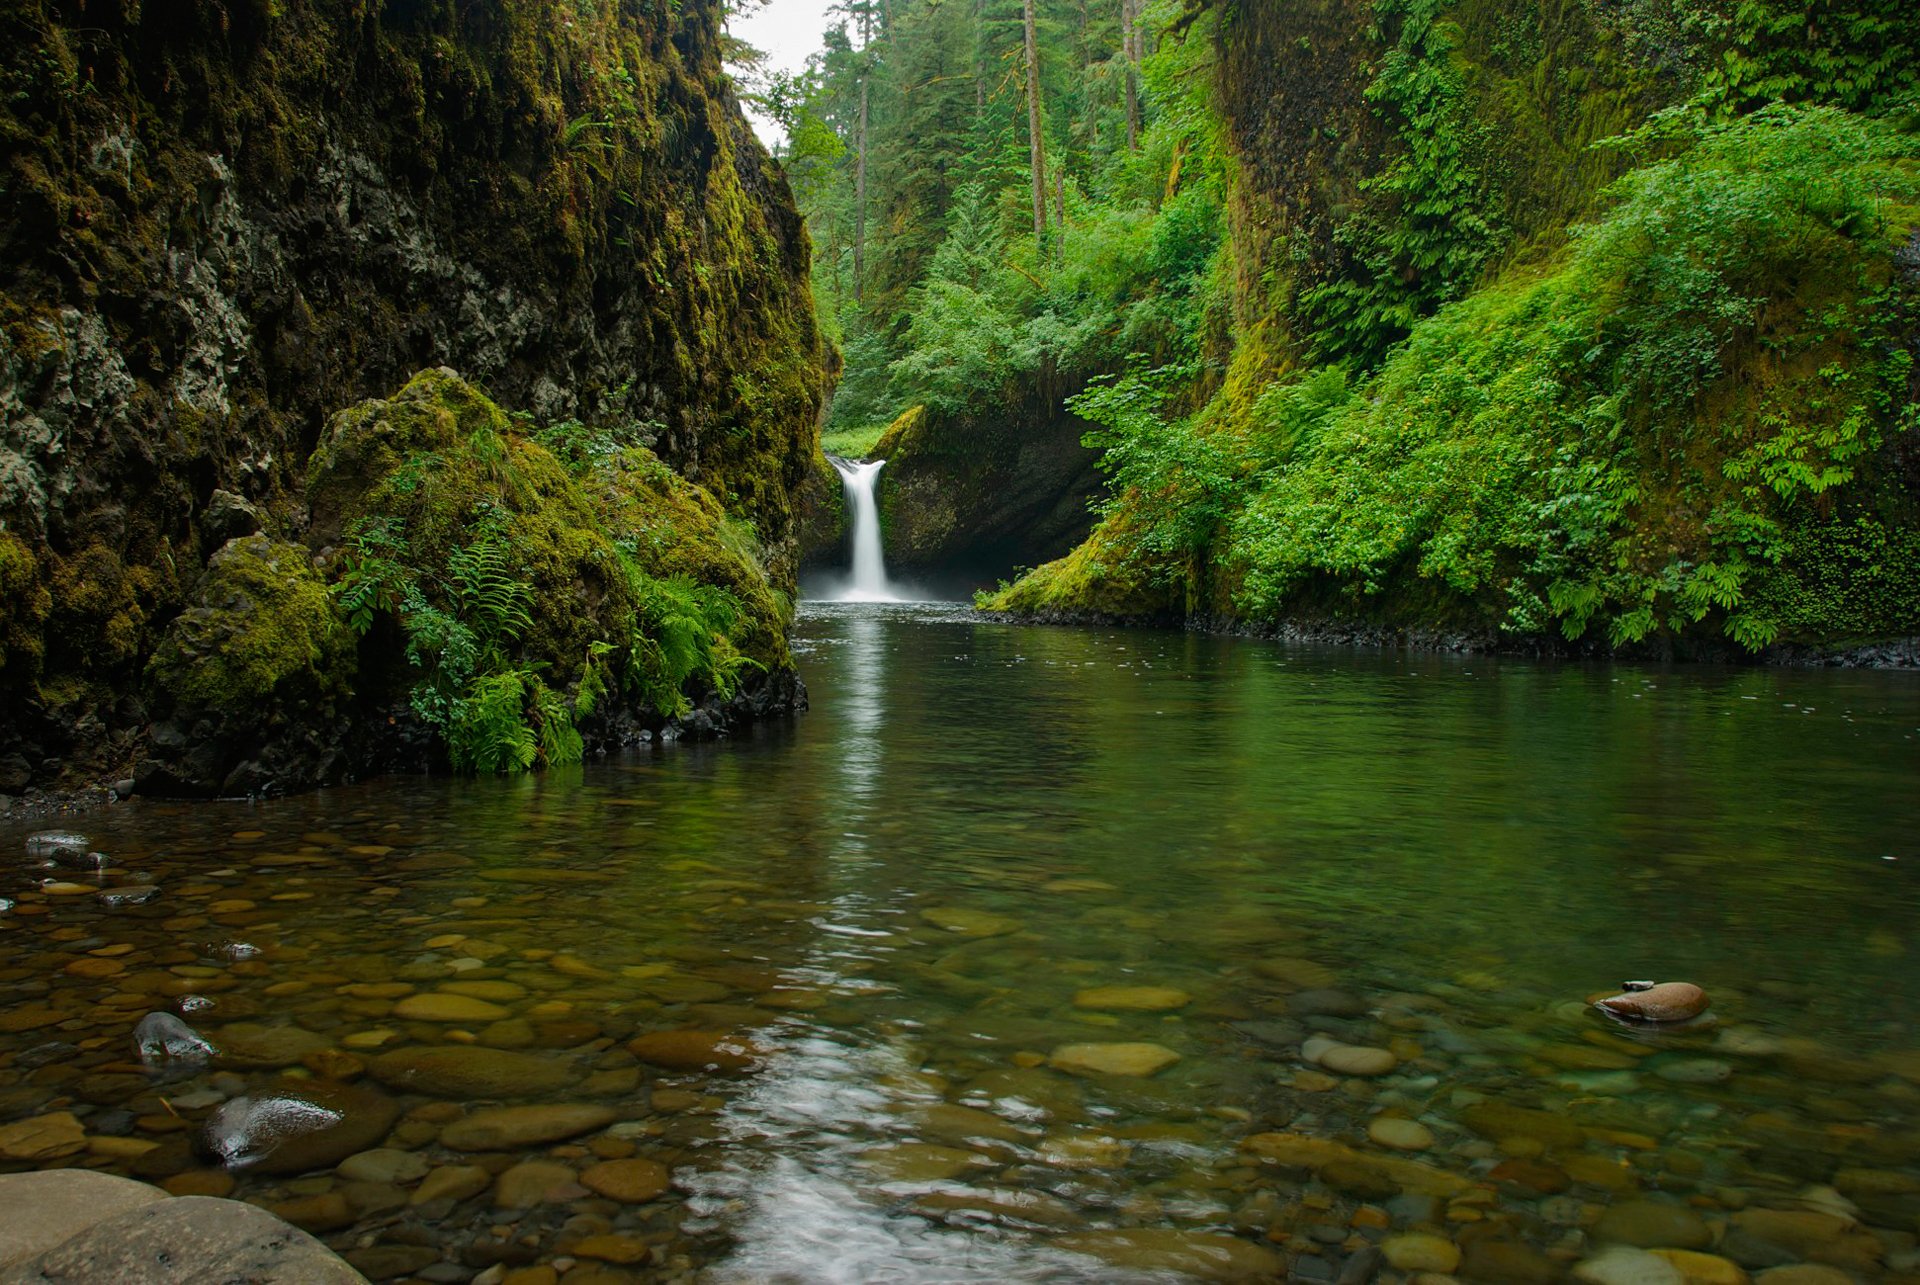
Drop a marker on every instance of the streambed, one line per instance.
(846, 1001)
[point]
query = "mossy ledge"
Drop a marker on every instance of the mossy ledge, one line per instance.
(221, 225)
(476, 589)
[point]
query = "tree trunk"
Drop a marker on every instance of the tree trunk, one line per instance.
(1037, 146)
(1133, 87)
(860, 200)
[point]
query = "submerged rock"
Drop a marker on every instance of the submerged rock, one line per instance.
(1145, 999)
(163, 1041)
(120, 898)
(697, 1050)
(1112, 1059)
(455, 1071)
(58, 845)
(296, 1128)
(507, 1128)
(1205, 1255)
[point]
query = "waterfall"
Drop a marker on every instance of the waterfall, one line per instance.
(868, 582)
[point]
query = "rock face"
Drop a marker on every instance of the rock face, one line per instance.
(187, 1238)
(192, 293)
(1013, 492)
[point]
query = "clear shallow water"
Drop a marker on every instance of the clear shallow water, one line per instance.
(894, 904)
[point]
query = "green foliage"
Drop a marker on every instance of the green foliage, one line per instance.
(1177, 485)
(1616, 445)
(1863, 55)
(531, 587)
(1428, 224)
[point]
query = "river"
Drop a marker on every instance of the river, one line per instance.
(917, 922)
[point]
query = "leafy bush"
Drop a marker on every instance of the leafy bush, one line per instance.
(1617, 443)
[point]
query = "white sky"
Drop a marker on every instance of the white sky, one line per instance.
(788, 32)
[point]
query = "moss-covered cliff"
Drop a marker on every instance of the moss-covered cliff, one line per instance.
(223, 224)
(1487, 377)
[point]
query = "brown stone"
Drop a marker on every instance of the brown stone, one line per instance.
(631, 1182)
(697, 1050)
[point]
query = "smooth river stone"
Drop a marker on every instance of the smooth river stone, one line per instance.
(451, 1182)
(1399, 1134)
(465, 1072)
(1624, 1265)
(1667, 1002)
(970, 923)
(631, 1182)
(1703, 1269)
(1352, 1059)
(440, 1007)
(1421, 1252)
(1204, 1255)
(43, 1137)
(248, 1046)
(1112, 1059)
(505, 1128)
(1498, 1121)
(40, 1210)
(1145, 999)
(296, 1126)
(384, 1164)
(1653, 1224)
(696, 1050)
(920, 1162)
(953, 1123)
(497, 991)
(534, 1183)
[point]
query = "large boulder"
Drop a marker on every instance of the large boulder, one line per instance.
(173, 1241)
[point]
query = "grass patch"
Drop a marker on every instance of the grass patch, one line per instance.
(853, 443)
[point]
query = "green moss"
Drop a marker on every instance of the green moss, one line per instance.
(264, 629)
(1107, 575)
(516, 577)
(24, 607)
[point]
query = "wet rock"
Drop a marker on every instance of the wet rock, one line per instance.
(390, 1262)
(535, 1183)
(1694, 1070)
(162, 1041)
(1326, 1001)
(43, 1137)
(1001, 1204)
(451, 1182)
(467, 1073)
(1348, 1059)
(40, 1210)
(1667, 1002)
(187, 1238)
(1277, 1032)
(1204, 1255)
(121, 898)
(1807, 1234)
(1085, 1151)
(1803, 1274)
(697, 1050)
(1137, 1059)
(945, 1120)
(384, 1164)
(914, 1162)
(248, 1046)
(1399, 1134)
(1508, 1262)
(58, 845)
(970, 923)
(1652, 1224)
(1499, 1121)
(1144, 999)
(1304, 1151)
(1624, 1265)
(1296, 974)
(613, 1248)
(631, 1181)
(328, 1211)
(507, 1128)
(1421, 1252)
(296, 1127)
(438, 1006)
(1702, 1269)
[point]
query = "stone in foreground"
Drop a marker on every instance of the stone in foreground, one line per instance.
(1112, 1059)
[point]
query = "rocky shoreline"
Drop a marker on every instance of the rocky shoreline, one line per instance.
(1893, 653)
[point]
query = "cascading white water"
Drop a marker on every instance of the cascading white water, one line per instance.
(868, 581)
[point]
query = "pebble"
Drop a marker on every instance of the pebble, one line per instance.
(1421, 1252)
(1651, 1224)
(1132, 1059)
(1400, 1134)
(1146, 999)
(506, 1128)
(630, 1182)
(1625, 1265)
(441, 1007)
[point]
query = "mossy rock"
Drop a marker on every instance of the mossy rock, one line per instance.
(600, 545)
(264, 628)
(24, 607)
(252, 681)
